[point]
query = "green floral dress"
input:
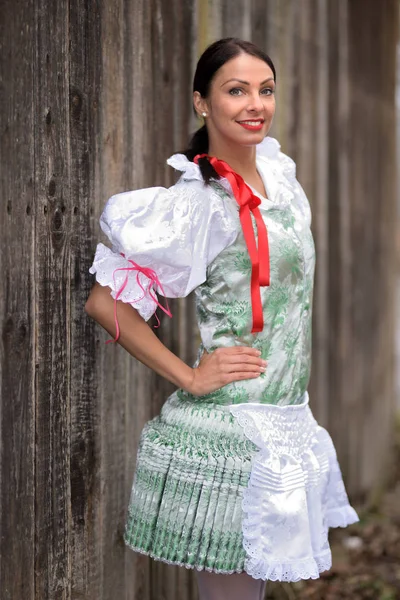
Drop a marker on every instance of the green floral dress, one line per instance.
(241, 479)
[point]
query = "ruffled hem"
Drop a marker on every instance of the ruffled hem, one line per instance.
(181, 163)
(287, 571)
(183, 564)
(105, 266)
(269, 148)
(341, 517)
(285, 172)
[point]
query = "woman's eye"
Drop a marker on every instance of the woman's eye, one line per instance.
(239, 92)
(267, 91)
(235, 91)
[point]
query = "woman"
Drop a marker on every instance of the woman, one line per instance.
(234, 476)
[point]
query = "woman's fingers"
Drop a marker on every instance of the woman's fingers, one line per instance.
(238, 356)
(226, 365)
(244, 361)
(240, 350)
(246, 368)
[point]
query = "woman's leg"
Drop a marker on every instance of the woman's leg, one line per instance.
(238, 586)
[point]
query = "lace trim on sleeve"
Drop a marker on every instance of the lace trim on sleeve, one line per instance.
(115, 271)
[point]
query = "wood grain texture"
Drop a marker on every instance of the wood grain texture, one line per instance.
(372, 218)
(320, 225)
(106, 98)
(236, 19)
(114, 367)
(17, 318)
(338, 348)
(139, 110)
(85, 417)
(51, 296)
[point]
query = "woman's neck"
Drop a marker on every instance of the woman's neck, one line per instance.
(241, 159)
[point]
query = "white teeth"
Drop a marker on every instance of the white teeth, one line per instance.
(251, 122)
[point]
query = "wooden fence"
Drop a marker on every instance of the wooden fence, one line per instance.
(95, 95)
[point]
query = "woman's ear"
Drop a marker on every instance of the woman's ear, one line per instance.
(200, 104)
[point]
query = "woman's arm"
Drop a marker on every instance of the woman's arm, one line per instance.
(214, 371)
(137, 337)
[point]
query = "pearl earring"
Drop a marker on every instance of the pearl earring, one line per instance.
(203, 114)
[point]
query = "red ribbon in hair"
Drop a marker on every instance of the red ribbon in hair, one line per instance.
(248, 203)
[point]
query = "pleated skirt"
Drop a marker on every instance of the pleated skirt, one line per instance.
(193, 464)
(231, 488)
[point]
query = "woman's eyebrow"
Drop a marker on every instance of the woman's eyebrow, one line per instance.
(246, 82)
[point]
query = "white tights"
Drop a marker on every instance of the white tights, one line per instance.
(238, 586)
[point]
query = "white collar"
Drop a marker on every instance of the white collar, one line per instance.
(269, 164)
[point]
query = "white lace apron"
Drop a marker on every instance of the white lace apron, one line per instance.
(295, 492)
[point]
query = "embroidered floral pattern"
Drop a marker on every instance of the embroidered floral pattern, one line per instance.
(242, 263)
(185, 507)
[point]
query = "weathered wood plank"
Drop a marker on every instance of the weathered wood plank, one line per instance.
(17, 320)
(85, 441)
(141, 107)
(305, 135)
(185, 330)
(112, 373)
(258, 17)
(319, 205)
(52, 293)
(281, 45)
(236, 19)
(339, 346)
(372, 220)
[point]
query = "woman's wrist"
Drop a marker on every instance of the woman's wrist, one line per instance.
(187, 380)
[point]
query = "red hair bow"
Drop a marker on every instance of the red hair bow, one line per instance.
(248, 203)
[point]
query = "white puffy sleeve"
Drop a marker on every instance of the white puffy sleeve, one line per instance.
(162, 242)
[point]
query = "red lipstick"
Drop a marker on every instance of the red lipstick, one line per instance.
(252, 124)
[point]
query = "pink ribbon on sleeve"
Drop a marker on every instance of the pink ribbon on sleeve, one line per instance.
(153, 280)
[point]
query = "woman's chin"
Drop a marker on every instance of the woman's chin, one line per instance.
(253, 139)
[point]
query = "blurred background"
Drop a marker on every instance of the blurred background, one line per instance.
(95, 96)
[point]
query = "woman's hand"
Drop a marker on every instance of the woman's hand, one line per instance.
(225, 365)
(136, 336)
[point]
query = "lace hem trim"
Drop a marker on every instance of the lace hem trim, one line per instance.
(104, 265)
(341, 517)
(182, 564)
(291, 571)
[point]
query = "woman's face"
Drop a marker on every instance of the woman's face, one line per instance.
(241, 102)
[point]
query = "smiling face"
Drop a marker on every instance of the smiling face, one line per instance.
(241, 103)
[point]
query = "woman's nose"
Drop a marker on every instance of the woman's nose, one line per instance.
(255, 102)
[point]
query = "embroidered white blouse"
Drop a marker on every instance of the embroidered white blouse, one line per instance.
(179, 231)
